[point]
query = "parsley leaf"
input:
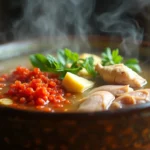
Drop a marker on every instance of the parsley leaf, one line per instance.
(61, 57)
(40, 61)
(111, 57)
(65, 57)
(133, 64)
(71, 56)
(88, 64)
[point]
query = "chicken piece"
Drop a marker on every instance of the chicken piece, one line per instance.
(131, 98)
(97, 101)
(115, 105)
(120, 74)
(97, 60)
(142, 94)
(116, 90)
(126, 99)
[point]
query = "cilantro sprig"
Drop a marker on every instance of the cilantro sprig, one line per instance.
(60, 64)
(111, 57)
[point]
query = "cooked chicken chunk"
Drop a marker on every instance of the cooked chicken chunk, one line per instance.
(131, 98)
(120, 74)
(115, 105)
(116, 90)
(142, 94)
(97, 101)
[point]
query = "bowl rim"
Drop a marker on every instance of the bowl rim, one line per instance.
(135, 110)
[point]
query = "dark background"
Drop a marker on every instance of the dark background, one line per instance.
(12, 10)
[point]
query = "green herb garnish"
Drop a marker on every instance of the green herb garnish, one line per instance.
(65, 57)
(111, 57)
(133, 64)
(88, 64)
(68, 61)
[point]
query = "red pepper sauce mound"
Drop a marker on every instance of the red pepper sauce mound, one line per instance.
(34, 88)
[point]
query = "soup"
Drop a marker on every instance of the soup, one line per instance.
(26, 87)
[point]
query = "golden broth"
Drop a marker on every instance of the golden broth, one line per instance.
(9, 65)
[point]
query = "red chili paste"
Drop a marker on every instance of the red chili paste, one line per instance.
(34, 88)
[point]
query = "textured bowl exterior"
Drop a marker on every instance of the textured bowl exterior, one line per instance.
(124, 130)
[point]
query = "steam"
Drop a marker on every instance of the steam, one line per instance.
(59, 18)
(55, 18)
(120, 21)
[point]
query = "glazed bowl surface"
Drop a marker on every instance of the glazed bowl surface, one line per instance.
(124, 129)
